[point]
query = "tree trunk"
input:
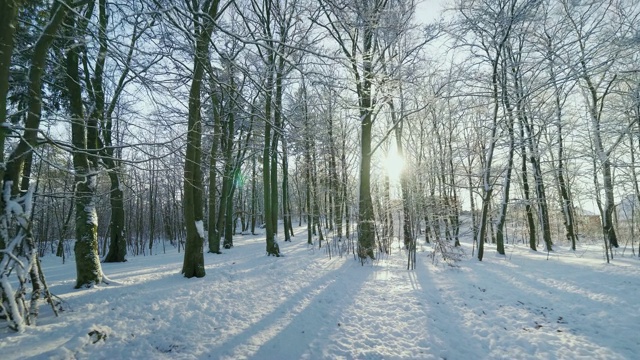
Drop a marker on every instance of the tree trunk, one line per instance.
(472, 202)
(455, 208)
(254, 196)
(213, 235)
(314, 194)
(309, 209)
(507, 177)
(14, 167)
(531, 225)
(277, 129)
(344, 185)
(118, 245)
(111, 158)
(609, 207)
(540, 192)
(308, 192)
(634, 177)
(229, 226)
(366, 226)
(534, 159)
(8, 22)
(88, 269)
(152, 207)
(225, 208)
(487, 186)
(272, 245)
(566, 205)
(595, 103)
(366, 218)
(335, 181)
(193, 264)
(285, 193)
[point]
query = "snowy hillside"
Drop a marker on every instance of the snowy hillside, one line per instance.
(307, 306)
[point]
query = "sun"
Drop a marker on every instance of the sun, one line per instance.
(393, 164)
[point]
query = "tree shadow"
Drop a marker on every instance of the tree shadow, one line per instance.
(450, 333)
(287, 329)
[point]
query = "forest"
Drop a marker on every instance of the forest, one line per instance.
(135, 128)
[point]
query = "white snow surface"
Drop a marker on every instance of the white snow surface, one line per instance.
(569, 305)
(200, 228)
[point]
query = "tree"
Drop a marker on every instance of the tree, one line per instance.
(277, 29)
(17, 208)
(18, 254)
(105, 115)
(8, 23)
(354, 28)
(229, 97)
(561, 91)
(15, 164)
(203, 15)
(84, 141)
(491, 27)
(506, 186)
(214, 232)
(594, 26)
(402, 46)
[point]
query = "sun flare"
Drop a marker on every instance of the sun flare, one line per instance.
(393, 164)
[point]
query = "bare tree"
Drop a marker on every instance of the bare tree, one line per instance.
(596, 30)
(491, 28)
(84, 135)
(196, 20)
(354, 26)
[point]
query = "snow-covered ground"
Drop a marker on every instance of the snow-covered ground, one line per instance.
(304, 305)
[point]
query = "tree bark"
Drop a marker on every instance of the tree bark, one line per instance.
(193, 264)
(507, 177)
(288, 232)
(213, 235)
(531, 225)
(566, 204)
(366, 218)
(534, 159)
(28, 141)
(8, 23)
(254, 196)
(225, 209)
(118, 245)
(333, 173)
(88, 269)
(272, 245)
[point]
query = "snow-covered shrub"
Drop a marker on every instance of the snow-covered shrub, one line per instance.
(19, 263)
(444, 250)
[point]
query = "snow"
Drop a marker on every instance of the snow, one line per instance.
(19, 322)
(200, 228)
(526, 305)
(92, 214)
